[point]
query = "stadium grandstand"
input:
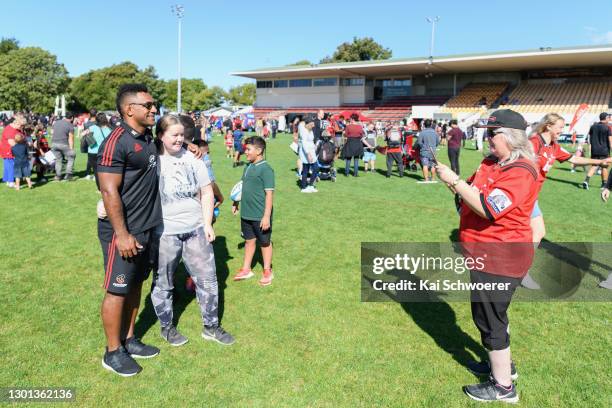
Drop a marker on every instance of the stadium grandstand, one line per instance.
(459, 86)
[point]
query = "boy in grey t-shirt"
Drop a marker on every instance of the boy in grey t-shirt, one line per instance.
(428, 142)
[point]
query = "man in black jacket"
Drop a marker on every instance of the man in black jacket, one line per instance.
(601, 139)
(320, 125)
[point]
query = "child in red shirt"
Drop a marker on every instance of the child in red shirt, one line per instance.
(229, 143)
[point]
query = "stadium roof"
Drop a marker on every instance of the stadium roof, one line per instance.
(541, 58)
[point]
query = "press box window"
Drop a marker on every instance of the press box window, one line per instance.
(325, 82)
(264, 84)
(353, 82)
(281, 83)
(300, 83)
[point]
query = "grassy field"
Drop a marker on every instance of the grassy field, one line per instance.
(307, 340)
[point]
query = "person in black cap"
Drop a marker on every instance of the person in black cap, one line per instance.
(495, 205)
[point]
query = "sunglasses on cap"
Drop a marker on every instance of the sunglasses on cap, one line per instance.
(147, 105)
(491, 133)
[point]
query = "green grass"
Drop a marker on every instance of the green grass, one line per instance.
(307, 340)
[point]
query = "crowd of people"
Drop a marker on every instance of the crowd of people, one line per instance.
(408, 144)
(160, 199)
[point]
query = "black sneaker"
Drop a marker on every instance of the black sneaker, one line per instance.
(120, 362)
(483, 368)
(585, 185)
(491, 391)
(218, 334)
(172, 336)
(137, 349)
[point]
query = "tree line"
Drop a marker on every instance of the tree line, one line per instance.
(31, 78)
(360, 49)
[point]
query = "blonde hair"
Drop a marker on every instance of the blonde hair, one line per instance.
(519, 144)
(19, 138)
(548, 120)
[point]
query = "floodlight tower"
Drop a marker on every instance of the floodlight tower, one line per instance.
(179, 11)
(433, 21)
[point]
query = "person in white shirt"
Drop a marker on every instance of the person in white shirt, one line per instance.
(308, 155)
(186, 233)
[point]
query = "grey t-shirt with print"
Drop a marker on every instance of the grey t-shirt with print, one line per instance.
(180, 180)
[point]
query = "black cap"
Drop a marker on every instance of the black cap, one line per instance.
(603, 115)
(309, 119)
(506, 118)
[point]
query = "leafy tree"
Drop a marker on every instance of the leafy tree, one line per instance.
(30, 78)
(190, 87)
(209, 98)
(301, 62)
(242, 94)
(361, 49)
(8, 44)
(98, 88)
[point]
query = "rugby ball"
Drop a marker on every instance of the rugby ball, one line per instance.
(236, 193)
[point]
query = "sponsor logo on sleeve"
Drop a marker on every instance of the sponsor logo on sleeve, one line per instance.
(498, 200)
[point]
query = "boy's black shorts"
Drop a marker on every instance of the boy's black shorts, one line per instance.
(121, 274)
(250, 229)
(490, 309)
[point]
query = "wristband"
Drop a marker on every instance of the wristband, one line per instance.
(457, 180)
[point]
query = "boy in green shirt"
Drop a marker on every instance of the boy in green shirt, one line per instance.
(256, 210)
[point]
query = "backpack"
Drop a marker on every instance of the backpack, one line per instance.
(326, 152)
(371, 139)
(395, 138)
(84, 145)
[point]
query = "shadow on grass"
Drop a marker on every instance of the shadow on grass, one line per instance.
(437, 318)
(222, 257)
(182, 298)
(576, 184)
(407, 173)
(569, 255)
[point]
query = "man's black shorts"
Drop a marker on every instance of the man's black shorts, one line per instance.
(121, 274)
(600, 156)
(250, 229)
(490, 309)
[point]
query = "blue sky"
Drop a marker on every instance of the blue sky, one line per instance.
(220, 37)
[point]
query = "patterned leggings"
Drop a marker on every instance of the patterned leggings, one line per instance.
(199, 259)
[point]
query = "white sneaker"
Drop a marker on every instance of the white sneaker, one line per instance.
(306, 190)
(312, 189)
(10, 185)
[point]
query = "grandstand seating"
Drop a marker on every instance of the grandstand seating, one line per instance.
(467, 100)
(561, 97)
(388, 110)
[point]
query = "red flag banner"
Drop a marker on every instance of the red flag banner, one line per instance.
(578, 115)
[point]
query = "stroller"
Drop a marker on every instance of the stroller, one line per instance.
(326, 150)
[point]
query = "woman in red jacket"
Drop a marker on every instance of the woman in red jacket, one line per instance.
(495, 209)
(353, 148)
